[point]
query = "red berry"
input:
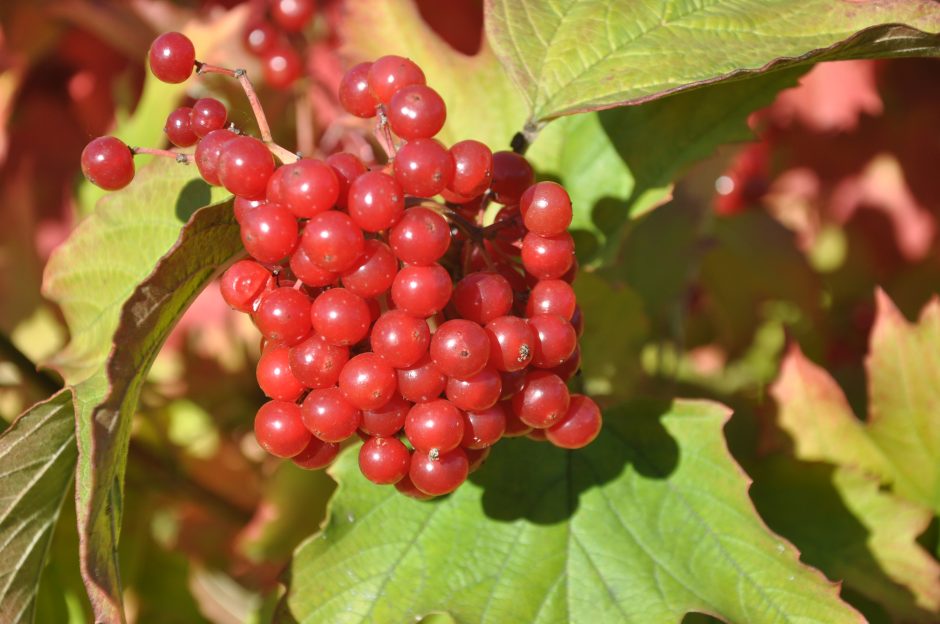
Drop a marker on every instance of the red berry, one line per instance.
(354, 93)
(308, 272)
(416, 112)
(389, 74)
(373, 272)
(473, 168)
(423, 167)
(406, 487)
(460, 348)
(367, 381)
(552, 297)
(547, 257)
(108, 163)
(543, 401)
(479, 392)
(375, 201)
(242, 284)
(434, 425)
(347, 168)
(484, 428)
(245, 166)
(274, 376)
(556, 340)
(579, 426)
(316, 363)
(569, 368)
(420, 237)
(439, 475)
(172, 57)
(178, 127)
(340, 317)
(283, 315)
(209, 152)
(476, 458)
(384, 460)
(421, 291)
(329, 416)
(512, 175)
(282, 66)
(512, 343)
(260, 38)
(481, 297)
(269, 233)
(292, 15)
(546, 209)
(512, 383)
(400, 339)
(242, 206)
(318, 454)
(333, 241)
(279, 429)
(306, 187)
(515, 428)
(577, 321)
(207, 114)
(386, 420)
(421, 382)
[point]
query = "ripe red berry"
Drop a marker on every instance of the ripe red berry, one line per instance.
(329, 416)
(347, 168)
(512, 343)
(567, 369)
(306, 187)
(283, 315)
(373, 272)
(309, 272)
(316, 363)
(421, 291)
(543, 401)
(423, 167)
(279, 429)
(480, 297)
(439, 475)
(108, 163)
(512, 175)
(274, 376)
(207, 114)
(389, 74)
(242, 284)
(384, 460)
(484, 428)
(245, 166)
(178, 127)
(547, 257)
(375, 201)
(475, 393)
(400, 339)
(422, 381)
(318, 454)
(406, 487)
(260, 37)
(242, 206)
(556, 340)
(420, 237)
(579, 426)
(387, 420)
(416, 112)
(460, 348)
(512, 383)
(434, 425)
(340, 317)
(293, 15)
(473, 168)
(208, 152)
(172, 56)
(546, 209)
(515, 428)
(552, 297)
(333, 241)
(476, 458)
(367, 381)
(354, 93)
(282, 66)
(269, 233)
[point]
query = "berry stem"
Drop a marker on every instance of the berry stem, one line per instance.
(384, 135)
(183, 159)
(305, 134)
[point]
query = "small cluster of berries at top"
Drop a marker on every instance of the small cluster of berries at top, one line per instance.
(268, 37)
(389, 314)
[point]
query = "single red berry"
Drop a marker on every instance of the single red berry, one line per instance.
(172, 57)
(473, 168)
(547, 257)
(513, 383)
(282, 66)
(420, 237)
(375, 201)
(569, 368)
(279, 429)
(316, 363)
(207, 114)
(537, 435)
(340, 317)
(423, 167)
(406, 487)
(367, 381)
(245, 166)
(422, 381)
(274, 376)
(329, 416)
(354, 93)
(309, 272)
(460, 348)
(512, 343)
(421, 291)
(347, 168)
(556, 342)
(579, 426)
(543, 401)
(400, 339)
(306, 187)
(416, 112)
(178, 127)
(208, 153)
(260, 37)
(441, 474)
(475, 393)
(384, 460)
(269, 233)
(283, 315)
(242, 206)
(434, 425)
(389, 74)
(552, 297)
(512, 175)
(515, 428)
(318, 454)
(242, 284)
(484, 428)
(108, 163)
(333, 241)
(577, 321)
(546, 209)
(386, 420)
(373, 272)
(292, 15)
(476, 458)
(483, 296)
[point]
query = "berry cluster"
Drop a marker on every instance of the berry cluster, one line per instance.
(268, 37)
(384, 312)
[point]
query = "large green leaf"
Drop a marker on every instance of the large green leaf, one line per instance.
(570, 56)
(649, 522)
(37, 462)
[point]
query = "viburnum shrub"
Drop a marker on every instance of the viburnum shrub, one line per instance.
(424, 304)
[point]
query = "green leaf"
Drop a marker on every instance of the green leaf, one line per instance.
(482, 103)
(37, 461)
(649, 522)
(570, 56)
